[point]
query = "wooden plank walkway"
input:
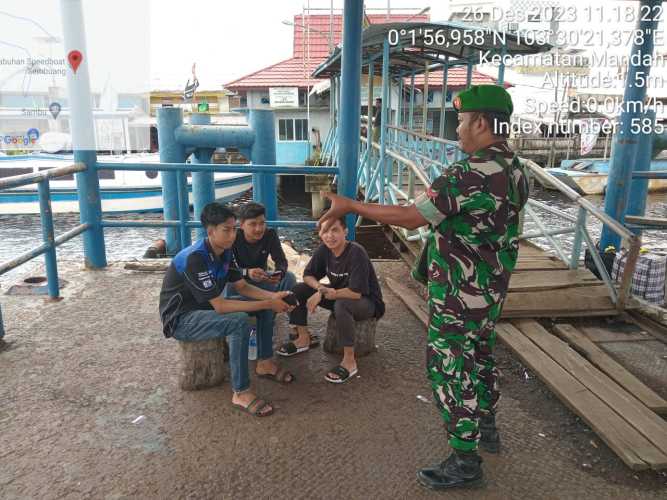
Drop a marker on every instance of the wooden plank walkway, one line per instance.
(616, 405)
(542, 286)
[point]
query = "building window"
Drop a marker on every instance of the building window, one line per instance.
(292, 129)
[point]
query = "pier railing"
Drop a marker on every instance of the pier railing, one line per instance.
(49, 241)
(413, 160)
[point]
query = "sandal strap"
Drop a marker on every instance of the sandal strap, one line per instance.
(288, 347)
(341, 371)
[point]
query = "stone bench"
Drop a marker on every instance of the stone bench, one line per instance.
(364, 337)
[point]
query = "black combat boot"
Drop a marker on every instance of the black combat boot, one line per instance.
(489, 437)
(461, 469)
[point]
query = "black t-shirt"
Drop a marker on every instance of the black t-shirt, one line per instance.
(352, 269)
(250, 255)
(195, 276)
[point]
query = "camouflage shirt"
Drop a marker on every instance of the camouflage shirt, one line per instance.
(473, 208)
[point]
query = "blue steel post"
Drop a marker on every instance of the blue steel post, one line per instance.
(203, 187)
(48, 238)
(624, 149)
(263, 152)
(83, 134)
(639, 187)
(443, 99)
(184, 233)
(171, 151)
(350, 98)
(383, 119)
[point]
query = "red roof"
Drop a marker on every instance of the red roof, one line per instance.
(317, 34)
(290, 72)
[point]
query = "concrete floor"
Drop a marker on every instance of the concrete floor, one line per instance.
(77, 373)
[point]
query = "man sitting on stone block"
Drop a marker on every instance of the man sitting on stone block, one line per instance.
(192, 307)
(353, 295)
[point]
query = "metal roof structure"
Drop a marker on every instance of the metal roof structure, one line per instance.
(415, 44)
(310, 48)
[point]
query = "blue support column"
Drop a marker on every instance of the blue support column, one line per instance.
(624, 149)
(203, 184)
(263, 152)
(383, 130)
(83, 134)
(90, 210)
(171, 151)
(348, 126)
(639, 187)
(46, 218)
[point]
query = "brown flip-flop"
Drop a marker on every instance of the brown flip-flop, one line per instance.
(255, 407)
(281, 376)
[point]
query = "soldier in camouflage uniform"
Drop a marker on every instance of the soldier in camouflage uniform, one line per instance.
(473, 211)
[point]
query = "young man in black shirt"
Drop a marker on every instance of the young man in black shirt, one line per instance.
(252, 248)
(192, 307)
(353, 294)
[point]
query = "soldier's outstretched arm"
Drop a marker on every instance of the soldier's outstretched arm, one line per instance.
(406, 216)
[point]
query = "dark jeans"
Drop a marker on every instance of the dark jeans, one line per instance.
(346, 312)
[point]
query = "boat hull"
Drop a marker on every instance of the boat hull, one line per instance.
(116, 200)
(586, 184)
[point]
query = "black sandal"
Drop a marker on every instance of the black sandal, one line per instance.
(290, 349)
(343, 374)
(314, 339)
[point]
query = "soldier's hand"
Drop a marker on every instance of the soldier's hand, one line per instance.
(339, 207)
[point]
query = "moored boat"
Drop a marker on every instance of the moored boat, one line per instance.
(121, 191)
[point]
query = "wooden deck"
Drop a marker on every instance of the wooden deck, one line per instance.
(542, 286)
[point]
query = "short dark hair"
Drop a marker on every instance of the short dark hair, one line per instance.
(216, 213)
(340, 219)
(251, 210)
(498, 122)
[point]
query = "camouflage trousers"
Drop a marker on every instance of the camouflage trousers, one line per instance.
(464, 378)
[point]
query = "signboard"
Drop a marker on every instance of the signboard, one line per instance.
(284, 97)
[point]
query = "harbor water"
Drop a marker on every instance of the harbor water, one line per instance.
(20, 233)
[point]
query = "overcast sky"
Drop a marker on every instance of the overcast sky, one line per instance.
(229, 39)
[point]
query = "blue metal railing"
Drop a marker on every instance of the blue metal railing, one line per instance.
(49, 241)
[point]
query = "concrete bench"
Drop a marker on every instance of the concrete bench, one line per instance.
(364, 337)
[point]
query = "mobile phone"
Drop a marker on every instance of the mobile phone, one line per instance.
(271, 274)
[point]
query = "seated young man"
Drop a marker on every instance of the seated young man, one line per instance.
(193, 309)
(252, 248)
(353, 294)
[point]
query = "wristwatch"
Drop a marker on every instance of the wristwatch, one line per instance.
(244, 272)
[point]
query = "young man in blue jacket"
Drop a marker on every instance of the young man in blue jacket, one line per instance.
(192, 307)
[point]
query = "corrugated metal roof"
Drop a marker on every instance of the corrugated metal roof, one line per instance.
(456, 78)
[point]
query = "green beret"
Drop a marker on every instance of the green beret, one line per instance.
(492, 98)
